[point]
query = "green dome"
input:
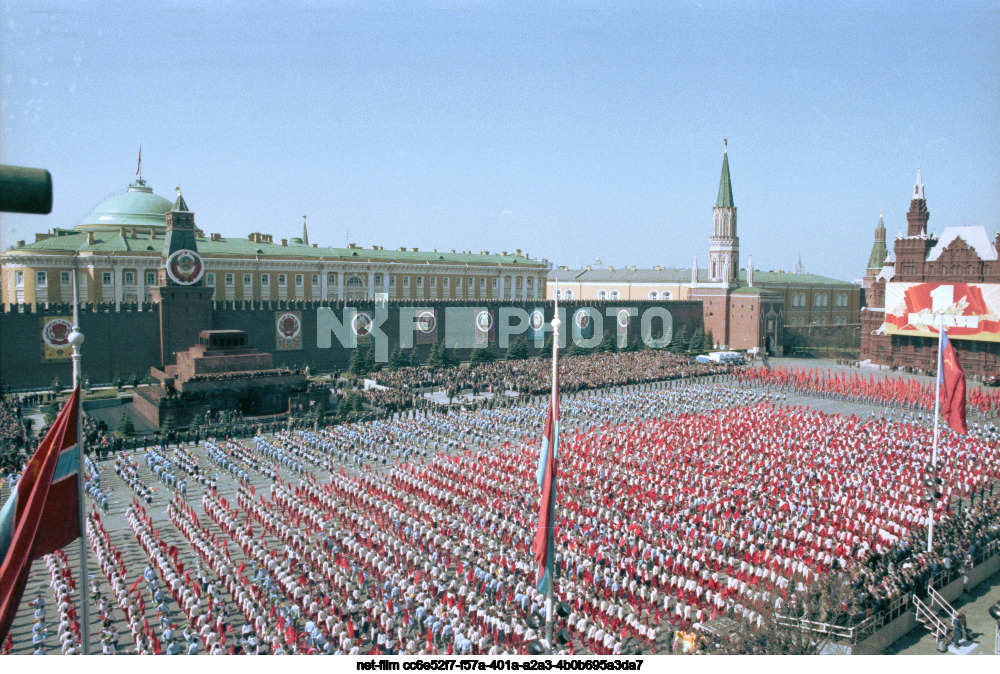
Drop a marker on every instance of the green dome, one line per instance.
(136, 207)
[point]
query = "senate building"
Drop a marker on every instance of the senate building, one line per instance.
(117, 247)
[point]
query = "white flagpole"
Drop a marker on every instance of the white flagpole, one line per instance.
(554, 402)
(76, 341)
(937, 414)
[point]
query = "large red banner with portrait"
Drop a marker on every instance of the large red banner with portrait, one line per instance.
(967, 310)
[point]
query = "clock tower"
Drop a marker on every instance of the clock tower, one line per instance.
(184, 301)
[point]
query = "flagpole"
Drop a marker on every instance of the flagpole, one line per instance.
(937, 414)
(76, 341)
(554, 402)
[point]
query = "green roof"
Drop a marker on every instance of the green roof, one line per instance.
(683, 276)
(879, 251)
(113, 241)
(135, 207)
(725, 199)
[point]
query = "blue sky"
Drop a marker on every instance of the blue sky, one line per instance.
(571, 130)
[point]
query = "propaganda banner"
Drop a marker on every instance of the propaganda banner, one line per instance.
(967, 310)
(55, 338)
(622, 320)
(288, 330)
(583, 325)
(361, 326)
(485, 327)
(536, 325)
(426, 326)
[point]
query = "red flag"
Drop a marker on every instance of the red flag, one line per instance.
(42, 514)
(951, 379)
(139, 166)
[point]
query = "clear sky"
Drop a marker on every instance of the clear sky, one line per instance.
(571, 130)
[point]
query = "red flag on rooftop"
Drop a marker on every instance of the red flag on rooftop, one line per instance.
(42, 514)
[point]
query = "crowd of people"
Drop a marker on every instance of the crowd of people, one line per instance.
(532, 377)
(679, 503)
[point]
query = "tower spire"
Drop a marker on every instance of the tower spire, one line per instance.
(918, 215)
(305, 232)
(724, 246)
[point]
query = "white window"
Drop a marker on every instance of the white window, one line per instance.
(230, 280)
(602, 294)
(300, 281)
(517, 283)
(653, 295)
(446, 282)
(19, 278)
(406, 281)
(106, 278)
(821, 320)
(531, 282)
(130, 278)
(151, 278)
(64, 277)
(569, 295)
(665, 294)
(434, 283)
(265, 280)
(392, 281)
(282, 280)
(496, 283)
(558, 294)
(614, 294)
(331, 279)
(458, 283)
(482, 284)
(840, 320)
(315, 280)
(820, 300)
(420, 281)
(247, 280)
(841, 299)
(378, 280)
(41, 279)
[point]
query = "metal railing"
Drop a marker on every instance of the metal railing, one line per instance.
(936, 599)
(930, 619)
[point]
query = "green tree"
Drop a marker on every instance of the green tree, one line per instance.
(518, 350)
(197, 420)
(359, 364)
(126, 428)
(397, 358)
(609, 342)
(168, 421)
(697, 342)
(447, 356)
(482, 354)
(434, 359)
(680, 340)
(709, 340)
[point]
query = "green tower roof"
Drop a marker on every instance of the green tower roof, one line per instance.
(879, 250)
(725, 199)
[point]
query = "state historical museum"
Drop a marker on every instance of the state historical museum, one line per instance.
(927, 281)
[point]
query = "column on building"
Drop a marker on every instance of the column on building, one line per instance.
(340, 284)
(324, 283)
(371, 284)
(118, 276)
